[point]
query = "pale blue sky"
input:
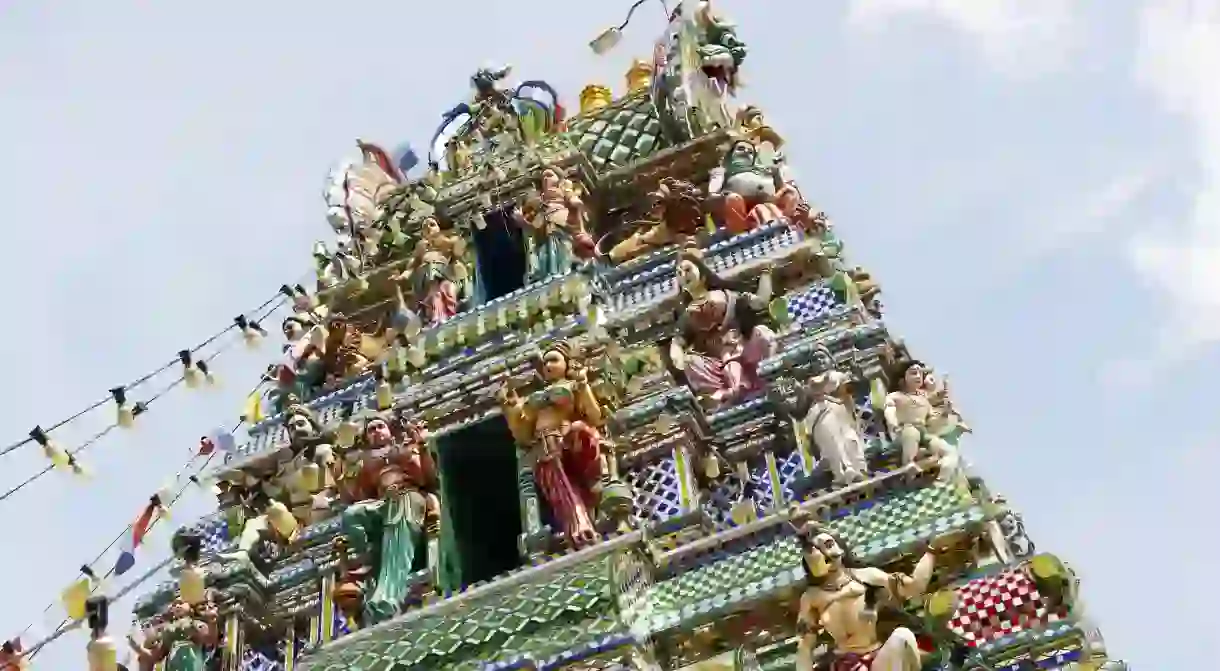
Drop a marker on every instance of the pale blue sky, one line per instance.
(1035, 183)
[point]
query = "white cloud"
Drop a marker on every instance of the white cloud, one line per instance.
(1177, 62)
(1018, 37)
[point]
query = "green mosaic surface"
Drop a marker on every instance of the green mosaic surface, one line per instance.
(619, 134)
(523, 621)
(884, 526)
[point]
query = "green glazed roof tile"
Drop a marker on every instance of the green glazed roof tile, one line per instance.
(527, 616)
(619, 134)
(883, 526)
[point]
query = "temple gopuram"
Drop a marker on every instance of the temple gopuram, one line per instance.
(599, 389)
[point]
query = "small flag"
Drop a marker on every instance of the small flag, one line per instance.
(406, 159)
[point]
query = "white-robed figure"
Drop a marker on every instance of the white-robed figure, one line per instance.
(822, 414)
(908, 412)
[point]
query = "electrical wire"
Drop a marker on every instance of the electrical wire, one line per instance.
(138, 381)
(104, 432)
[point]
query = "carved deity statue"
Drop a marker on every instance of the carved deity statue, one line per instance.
(337, 358)
(556, 219)
(675, 215)
(753, 124)
(180, 639)
(749, 192)
(845, 597)
(394, 511)
(721, 339)
(559, 427)
(824, 415)
(909, 410)
(437, 272)
(721, 52)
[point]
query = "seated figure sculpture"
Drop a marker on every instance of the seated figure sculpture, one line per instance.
(675, 215)
(823, 413)
(843, 599)
(721, 339)
(394, 511)
(908, 412)
(749, 194)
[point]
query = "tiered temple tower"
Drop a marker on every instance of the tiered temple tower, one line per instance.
(603, 393)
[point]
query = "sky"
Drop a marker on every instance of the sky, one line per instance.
(1036, 185)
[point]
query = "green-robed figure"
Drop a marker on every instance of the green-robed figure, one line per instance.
(395, 513)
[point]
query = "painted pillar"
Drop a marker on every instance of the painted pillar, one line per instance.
(531, 512)
(290, 647)
(234, 646)
(688, 492)
(326, 608)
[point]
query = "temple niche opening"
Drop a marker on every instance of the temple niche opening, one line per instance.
(500, 248)
(481, 458)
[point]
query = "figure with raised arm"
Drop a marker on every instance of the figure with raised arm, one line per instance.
(843, 598)
(394, 510)
(559, 428)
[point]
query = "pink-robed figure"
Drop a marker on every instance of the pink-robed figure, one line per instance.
(721, 340)
(558, 427)
(436, 272)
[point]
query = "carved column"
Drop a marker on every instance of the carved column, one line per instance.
(234, 643)
(326, 608)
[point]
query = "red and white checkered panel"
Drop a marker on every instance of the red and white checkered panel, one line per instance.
(1000, 605)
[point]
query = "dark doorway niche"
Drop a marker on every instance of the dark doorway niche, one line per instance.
(500, 246)
(479, 466)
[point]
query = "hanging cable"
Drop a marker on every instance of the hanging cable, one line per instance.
(249, 326)
(69, 459)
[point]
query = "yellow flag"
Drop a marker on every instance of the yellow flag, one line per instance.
(74, 598)
(253, 412)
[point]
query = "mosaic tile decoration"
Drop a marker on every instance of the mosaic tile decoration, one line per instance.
(577, 596)
(1000, 605)
(718, 503)
(619, 134)
(655, 490)
(872, 529)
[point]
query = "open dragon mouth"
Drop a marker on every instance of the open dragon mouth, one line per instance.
(500, 253)
(478, 467)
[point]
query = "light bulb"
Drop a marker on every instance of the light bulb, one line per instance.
(607, 40)
(346, 434)
(192, 586)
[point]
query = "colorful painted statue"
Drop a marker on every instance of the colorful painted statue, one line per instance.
(945, 420)
(908, 411)
(355, 192)
(823, 414)
(556, 217)
(843, 598)
(721, 52)
(394, 511)
(181, 641)
(675, 216)
(748, 193)
(559, 427)
(721, 339)
(437, 272)
(338, 358)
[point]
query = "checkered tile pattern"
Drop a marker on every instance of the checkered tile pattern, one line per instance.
(214, 529)
(655, 490)
(255, 659)
(1000, 605)
(813, 304)
(790, 469)
(341, 626)
(619, 134)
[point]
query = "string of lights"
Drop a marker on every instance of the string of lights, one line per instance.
(185, 478)
(68, 459)
(248, 323)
